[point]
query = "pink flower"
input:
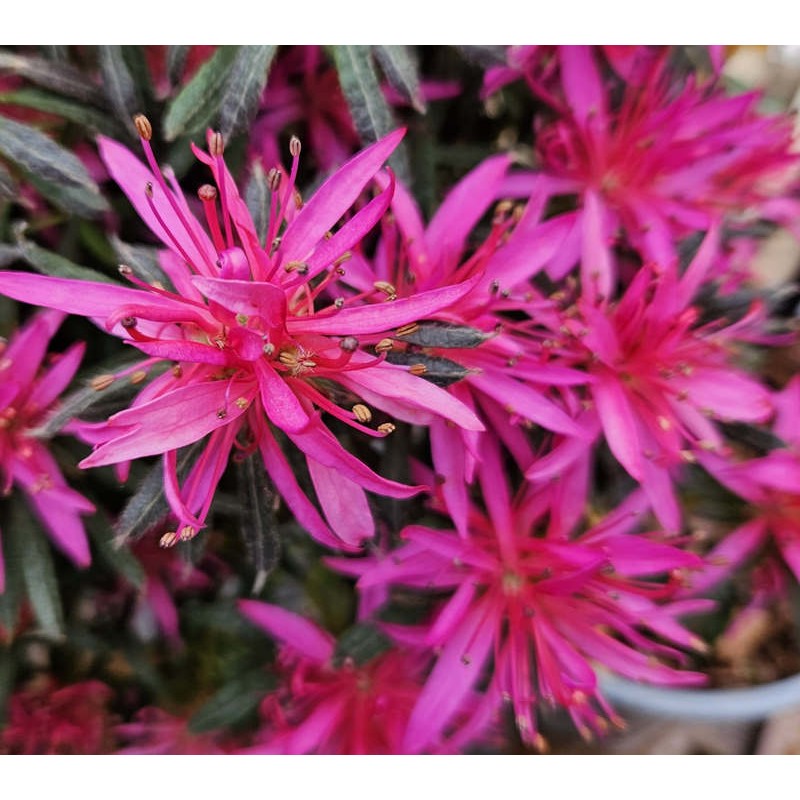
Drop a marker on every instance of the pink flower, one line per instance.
(44, 719)
(659, 378)
(660, 163)
(536, 612)
(347, 709)
(256, 340)
(154, 732)
(28, 392)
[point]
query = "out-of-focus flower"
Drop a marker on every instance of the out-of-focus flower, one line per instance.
(154, 732)
(255, 339)
(661, 163)
(540, 609)
(28, 393)
(345, 709)
(44, 719)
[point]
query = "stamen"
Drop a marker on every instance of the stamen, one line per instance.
(102, 382)
(407, 330)
(143, 127)
(384, 345)
(138, 376)
(418, 369)
(295, 146)
(208, 195)
(387, 427)
(363, 414)
(387, 288)
(169, 539)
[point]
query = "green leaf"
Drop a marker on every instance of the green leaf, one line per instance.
(9, 253)
(361, 643)
(244, 87)
(8, 189)
(56, 172)
(82, 114)
(401, 72)
(257, 518)
(30, 550)
(149, 505)
(86, 397)
(198, 103)
(233, 703)
(176, 62)
(371, 113)
(8, 669)
(53, 264)
(440, 334)
(438, 370)
(59, 77)
(484, 55)
(119, 85)
(257, 197)
(120, 559)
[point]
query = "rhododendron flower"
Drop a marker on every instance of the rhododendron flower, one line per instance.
(661, 379)
(255, 339)
(44, 719)
(542, 610)
(28, 393)
(342, 709)
(661, 163)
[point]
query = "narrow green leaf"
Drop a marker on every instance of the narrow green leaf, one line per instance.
(8, 189)
(257, 518)
(118, 85)
(438, 370)
(9, 253)
(149, 506)
(86, 397)
(257, 197)
(8, 670)
(401, 71)
(58, 173)
(59, 77)
(361, 643)
(176, 62)
(244, 87)
(70, 110)
(198, 103)
(53, 264)
(371, 114)
(440, 334)
(484, 55)
(29, 545)
(11, 599)
(120, 559)
(233, 703)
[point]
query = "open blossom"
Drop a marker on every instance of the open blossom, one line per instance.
(660, 379)
(28, 392)
(538, 612)
(661, 163)
(342, 709)
(256, 342)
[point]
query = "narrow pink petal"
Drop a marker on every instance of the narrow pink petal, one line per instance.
(519, 398)
(64, 527)
(181, 417)
(351, 233)
(380, 317)
(457, 671)
(184, 350)
(54, 380)
(163, 607)
(729, 395)
(28, 346)
(657, 483)
(282, 405)
(451, 614)
(447, 452)
(290, 629)
(388, 380)
(619, 423)
(132, 177)
(582, 84)
(344, 503)
(698, 269)
(447, 232)
(334, 198)
(285, 482)
(598, 274)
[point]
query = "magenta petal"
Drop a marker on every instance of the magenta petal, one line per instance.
(54, 380)
(582, 84)
(184, 350)
(344, 503)
(380, 317)
(334, 198)
(250, 298)
(597, 267)
(64, 526)
(619, 423)
(180, 417)
(449, 459)
(281, 404)
(290, 629)
(728, 395)
(28, 346)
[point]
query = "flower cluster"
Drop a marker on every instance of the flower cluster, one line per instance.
(540, 365)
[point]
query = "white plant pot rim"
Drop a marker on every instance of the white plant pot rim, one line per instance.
(748, 704)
